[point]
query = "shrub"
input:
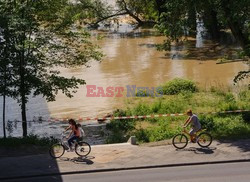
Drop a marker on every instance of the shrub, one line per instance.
(231, 127)
(142, 109)
(119, 129)
(246, 117)
(178, 85)
(146, 92)
(142, 135)
(244, 95)
(207, 122)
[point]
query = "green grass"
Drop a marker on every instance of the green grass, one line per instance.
(221, 126)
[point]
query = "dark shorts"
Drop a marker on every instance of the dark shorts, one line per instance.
(194, 130)
(71, 139)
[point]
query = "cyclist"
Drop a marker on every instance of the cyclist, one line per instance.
(74, 134)
(195, 124)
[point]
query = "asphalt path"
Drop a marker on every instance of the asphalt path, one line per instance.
(228, 172)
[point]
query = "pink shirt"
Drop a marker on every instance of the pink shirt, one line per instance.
(76, 131)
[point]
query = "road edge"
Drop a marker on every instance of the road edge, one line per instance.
(125, 168)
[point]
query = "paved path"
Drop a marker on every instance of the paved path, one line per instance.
(205, 173)
(122, 156)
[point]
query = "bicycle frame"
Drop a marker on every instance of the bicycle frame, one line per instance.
(184, 131)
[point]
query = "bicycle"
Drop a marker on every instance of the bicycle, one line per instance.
(204, 139)
(81, 148)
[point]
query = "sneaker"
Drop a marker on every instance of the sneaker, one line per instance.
(69, 150)
(193, 141)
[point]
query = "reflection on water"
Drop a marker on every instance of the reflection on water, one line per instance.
(199, 30)
(131, 59)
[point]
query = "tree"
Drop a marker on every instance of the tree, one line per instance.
(6, 74)
(236, 16)
(229, 14)
(173, 23)
(44, 36)
(177, 19)
(142, 11)
(3, 77)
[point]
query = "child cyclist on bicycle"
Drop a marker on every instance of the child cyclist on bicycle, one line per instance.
(74, 134)
(195, 124)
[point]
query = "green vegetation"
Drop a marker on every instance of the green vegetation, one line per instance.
(221, 126)
(31, 140)
(36, 38)
(177, 86)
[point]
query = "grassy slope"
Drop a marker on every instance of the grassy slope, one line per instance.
(222, 126)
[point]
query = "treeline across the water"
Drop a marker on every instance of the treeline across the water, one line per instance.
(181, 95)
(179, 18)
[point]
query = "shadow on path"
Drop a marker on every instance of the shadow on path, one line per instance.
(243, 145)
(208, 150)
(79, 160)
(20, 167)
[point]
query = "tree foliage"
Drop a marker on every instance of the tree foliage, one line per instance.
(39, 37)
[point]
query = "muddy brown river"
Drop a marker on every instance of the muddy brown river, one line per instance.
(134, 60)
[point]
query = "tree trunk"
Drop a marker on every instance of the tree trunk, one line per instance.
(211, 22)
(23, 98)
(214, 28)
(4, 98)
(235, 26)
(4, 132)
(160, 7)
(192, 19)
(24, 119)
(23, 92)
(131, 13)
(238, 34)
(135, 17)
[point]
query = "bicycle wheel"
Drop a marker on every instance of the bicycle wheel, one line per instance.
(56, 150)
(204, 139)
(82, 149)
(180, 141)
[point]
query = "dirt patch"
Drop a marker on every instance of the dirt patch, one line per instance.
(111, 155)
(159, 143)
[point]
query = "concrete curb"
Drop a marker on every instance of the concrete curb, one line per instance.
(126, 168)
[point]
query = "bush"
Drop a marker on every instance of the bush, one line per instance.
(231, 127)
(142, 109)
(142, 135)
(178, 85)
(146, 92)
(246, 117)
(245, 95)
(119, 129)
(207, 122)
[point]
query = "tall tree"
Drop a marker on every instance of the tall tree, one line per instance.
(236, 16)
(6, 73)
(44, 37)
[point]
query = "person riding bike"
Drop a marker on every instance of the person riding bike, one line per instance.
(74, 134)
(195, 124)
